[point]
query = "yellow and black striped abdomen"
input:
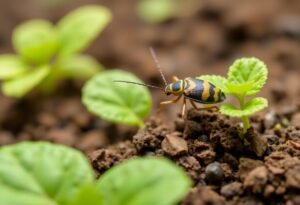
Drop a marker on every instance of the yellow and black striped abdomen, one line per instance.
(202, 91)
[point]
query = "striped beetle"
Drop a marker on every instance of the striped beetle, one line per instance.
(192, 89)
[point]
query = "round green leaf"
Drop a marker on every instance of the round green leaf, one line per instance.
(11, 66)
(216, 80)
(78, 28)
(248, 70)
(40, 173)
(117, 102)
(35, 41)
(251, 107)
(79, 67)
(23, 84)
(145, 181)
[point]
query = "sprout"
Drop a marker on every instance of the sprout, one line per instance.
(46, 53)
(246, 77)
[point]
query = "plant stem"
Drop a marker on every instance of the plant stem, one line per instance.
(245, 119)
(246, 123)
(141, 124)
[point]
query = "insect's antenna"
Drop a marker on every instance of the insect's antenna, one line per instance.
(136, 83)
(158, 65)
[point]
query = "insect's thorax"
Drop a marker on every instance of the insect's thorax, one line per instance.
(189, 85)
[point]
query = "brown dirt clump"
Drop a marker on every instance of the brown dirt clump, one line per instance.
(210, 149)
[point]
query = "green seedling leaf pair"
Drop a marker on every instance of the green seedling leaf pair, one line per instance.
(46, 53)
(246, 77)
(117, 102)
(35, 173)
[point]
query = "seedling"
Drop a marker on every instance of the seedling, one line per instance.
(192, 89)
(38, 173)
(245, 78)
(45, 53)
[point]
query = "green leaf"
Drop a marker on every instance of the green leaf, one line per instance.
(248, 70)
(35, 173)
(251, 107)
(154, 11)
(87, 195)
(11, 66)
(21, 85)
(117, 102)
(216, 80)
(35, 41)
(78, 28)
(145, 181)
(79, 67)
(238, 89)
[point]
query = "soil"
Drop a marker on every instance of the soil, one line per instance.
(224, 168)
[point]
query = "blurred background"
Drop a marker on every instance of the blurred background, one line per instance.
(191, 38)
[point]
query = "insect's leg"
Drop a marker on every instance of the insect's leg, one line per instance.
(210, 107)
(170, 101)
(183, 108)
(207, 107)
(174, 79)
(195, 106)
(162, 104)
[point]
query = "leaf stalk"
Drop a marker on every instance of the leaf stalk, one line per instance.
(245, 119)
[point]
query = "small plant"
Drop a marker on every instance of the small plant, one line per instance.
(245, 78)
(38, 173)
(47, 53)
(120, 103)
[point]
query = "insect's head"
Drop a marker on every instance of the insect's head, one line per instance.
(175, 88)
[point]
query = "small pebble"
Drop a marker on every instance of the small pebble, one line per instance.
(257, 179)
(174, 145)
(269, 120)
(214, 173)
(232, 189)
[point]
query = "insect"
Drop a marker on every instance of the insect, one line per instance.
(191, 89)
